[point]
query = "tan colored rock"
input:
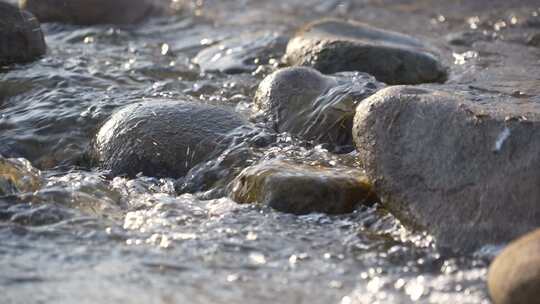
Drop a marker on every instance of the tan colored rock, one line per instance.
(301, 189)
(18, 175)
(514, 276)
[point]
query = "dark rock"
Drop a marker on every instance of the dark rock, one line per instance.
(163, 138)
(332, 46)
(301, 189)
(89, 12)
(467, 171)
(514, 276)
(311, 105)
(534, 40)
(468, 38)
(242, 54)
(21, 39)
(18, 175)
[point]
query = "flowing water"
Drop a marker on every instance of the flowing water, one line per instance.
(76, 235)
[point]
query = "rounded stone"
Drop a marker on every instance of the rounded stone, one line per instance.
(301, 189)
(465, 167)
(163, 138)
(313, 106)
(332, 46)
(21, 38)
(514, 276)
(89, 12)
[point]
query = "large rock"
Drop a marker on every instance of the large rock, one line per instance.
(21, 39)
(242, 54)
(89, 12)
(301, 189)
(514, 276)
(313, 106)
(163, 138)
(332, 46)
(466, 170)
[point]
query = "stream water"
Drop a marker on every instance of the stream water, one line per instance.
(85, 237)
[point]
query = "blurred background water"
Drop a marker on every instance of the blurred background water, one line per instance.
(81, 236)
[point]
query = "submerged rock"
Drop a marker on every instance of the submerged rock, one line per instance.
(514, 276)
(242, 54)
(332, 46)
(467, 171)
(163, 138)
(89, 12)
(301, 189)
(21, 38)
(313, 106)
(18, 175)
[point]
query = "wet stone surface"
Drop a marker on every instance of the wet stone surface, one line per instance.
(21, 38)
(313, 106)
(332, 46)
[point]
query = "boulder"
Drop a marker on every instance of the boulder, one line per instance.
(163, 138)
(332, 46)
(514, 276)
(21, 38)
(242, 54)
(301, 189)
(313, 106)
(465, 168)
(90, 12)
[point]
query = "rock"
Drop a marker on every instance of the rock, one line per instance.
(310, 105)
(90, 12)
(18, 175)
(514, 276)
(468, 38)
(534, 40)
(465, 170)
(332, 46)
(163, 138)
(242, 54)
(21, 39)
(301, 189)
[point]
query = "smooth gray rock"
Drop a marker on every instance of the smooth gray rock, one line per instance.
(467, 171)
(242, 54)
(90, 12)
(332, 46)
(301, 189)
(514, 276)
(313, 106)
(163, 138)
(21, 38)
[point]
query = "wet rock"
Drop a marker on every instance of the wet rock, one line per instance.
(242, 54)
(313, 106)
(301, 189)
(534, 40)
(332, 46)
(21, 39)
(466, 170)
(514, 276)
(163, 138)
(18, 175)
(468, 38)
(89, 12)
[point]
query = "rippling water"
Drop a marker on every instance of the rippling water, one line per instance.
(85, 237)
